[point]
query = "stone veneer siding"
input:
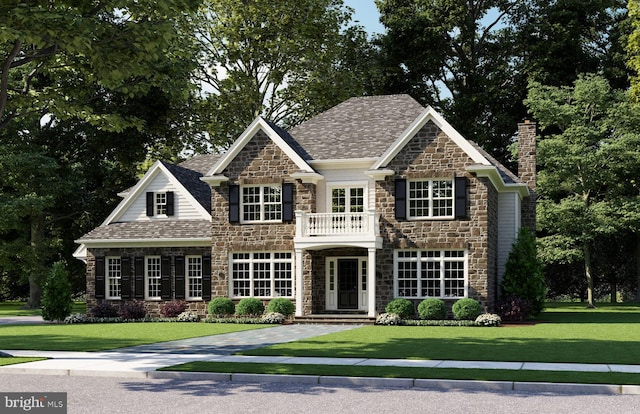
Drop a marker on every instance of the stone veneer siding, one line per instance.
(527, 171)
(152, 306)
(261, 161)
(432, 154)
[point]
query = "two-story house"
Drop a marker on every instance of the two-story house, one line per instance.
(374, 199)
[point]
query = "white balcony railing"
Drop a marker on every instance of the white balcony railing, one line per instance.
(336, 224)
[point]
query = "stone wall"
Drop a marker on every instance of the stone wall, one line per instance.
(527, 170)
(432, 154)
(261, 161)
(152, 306)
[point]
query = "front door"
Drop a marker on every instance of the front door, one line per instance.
(347, 283)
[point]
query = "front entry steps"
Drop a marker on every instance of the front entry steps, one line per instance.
(336, 319)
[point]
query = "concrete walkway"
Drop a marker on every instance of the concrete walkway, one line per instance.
(143, 361)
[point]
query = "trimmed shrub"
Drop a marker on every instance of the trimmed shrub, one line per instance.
(188, 317)
(523, 274)
(133, 310)
(402, 307)
(173, 309)
(221, 306)
(488, 319)
(104, 310)
(432, 309)
(273, 318)
(466, 308)
(388, 319)
(281, 305)
(249, 307)
(56, 294)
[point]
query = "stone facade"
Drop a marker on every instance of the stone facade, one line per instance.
(527, 170)
(432, 154)
(152, 307)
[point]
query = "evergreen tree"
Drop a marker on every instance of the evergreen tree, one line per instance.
(56, 295)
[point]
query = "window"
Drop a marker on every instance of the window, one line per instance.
(261, 274)
(153, 278)
(431, 273)
(350, 199)
(430, 198)
(114, 277)
(194, 277)
(261, 203)
(161, 204)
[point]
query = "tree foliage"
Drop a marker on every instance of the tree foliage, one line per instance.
(284, 60)
(523, 276)
(589, 162)
(56, 299)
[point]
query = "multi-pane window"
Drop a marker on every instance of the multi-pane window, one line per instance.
(114, 277)
(262, 203)
(153, 277)
(431, 273)
(194, 277)
(350, 199)
(430, 198)
(261, 274)
(161, 203)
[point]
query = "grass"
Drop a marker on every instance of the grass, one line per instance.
(18, 360)
(407, 372)
(566, 333)
(102, 336)
(16, 309)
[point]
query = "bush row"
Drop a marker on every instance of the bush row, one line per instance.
(432, 312)
(222, 307)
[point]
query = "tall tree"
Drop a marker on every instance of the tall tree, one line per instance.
(456, 56)
(50, 49)
(283, 60)
(589, 160)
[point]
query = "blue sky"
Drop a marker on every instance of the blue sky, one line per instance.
(367, 14)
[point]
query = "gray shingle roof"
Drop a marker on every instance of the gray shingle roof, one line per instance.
(201, 163)
(507, 176)
(362, 127)
(156, 229)
(190, 179)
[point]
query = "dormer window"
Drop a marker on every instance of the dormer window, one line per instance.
(160, 204)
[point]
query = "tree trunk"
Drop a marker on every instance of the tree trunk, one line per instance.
(37, 267)
(614, 292)
(638, 266)
(588, 273)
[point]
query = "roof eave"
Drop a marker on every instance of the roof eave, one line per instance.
(494, 176)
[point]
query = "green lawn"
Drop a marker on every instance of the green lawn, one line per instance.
(102, 336)
(565, 333)
(406, 372)
(18, 360)
(16, 309)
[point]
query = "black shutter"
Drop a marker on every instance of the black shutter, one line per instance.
(125, 273)
(170, 208)
(401, 199)
(234, 203)
(460, 197)
(165, 278)
(206, 277)
(150, 203)
(180, 277)
(287, 202)
(100, 279)
(138, 268)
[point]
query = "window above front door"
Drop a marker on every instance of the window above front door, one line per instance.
(347, 199)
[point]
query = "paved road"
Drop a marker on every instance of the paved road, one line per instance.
(116, 395)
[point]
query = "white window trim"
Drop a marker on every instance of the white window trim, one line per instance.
(443, 259)
(346, 186)
(262, 203)
(187, 277)
(272, 260)
(146, 278)
(157, 205)
(431, 216)
(108, 278)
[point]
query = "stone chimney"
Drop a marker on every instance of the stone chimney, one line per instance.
(527, 170)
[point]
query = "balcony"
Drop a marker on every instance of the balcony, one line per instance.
(323, 230)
